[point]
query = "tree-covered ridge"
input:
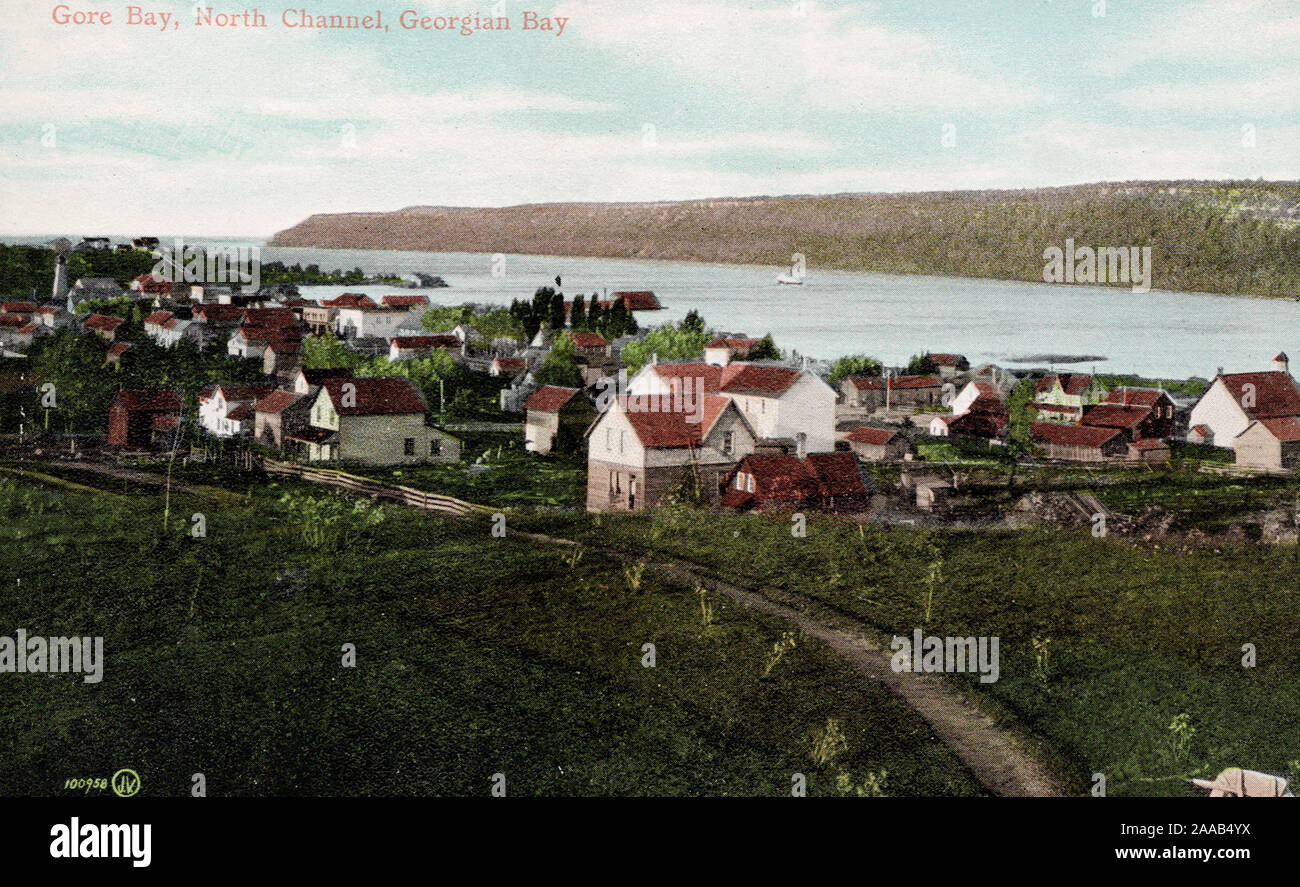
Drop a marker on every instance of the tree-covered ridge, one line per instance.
(1221, 237)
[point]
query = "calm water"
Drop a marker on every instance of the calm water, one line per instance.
(890, 317)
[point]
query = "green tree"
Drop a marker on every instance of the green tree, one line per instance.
(561, 365)
(668, 342)
(765, 349)
(856, 365)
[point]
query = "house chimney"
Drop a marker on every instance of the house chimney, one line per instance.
(1281, 363)
(61, 279)
(801, 444)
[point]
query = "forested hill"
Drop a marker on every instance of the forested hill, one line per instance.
(1223, 237)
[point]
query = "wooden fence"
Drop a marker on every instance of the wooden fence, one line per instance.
(364, 486)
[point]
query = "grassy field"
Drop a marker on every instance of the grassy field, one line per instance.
(474, 656)
(1125, 660)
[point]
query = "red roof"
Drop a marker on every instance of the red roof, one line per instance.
(1275, 393)
(510, 363)
(1070, 435)
(588, 340)
(1116, 416)
(270, 317)
(873, 436)
(946, 360)
(319, 377)
(241, 412)
(674, 429)
(1284, 428)
(150, 400)
(285, 346)
(1075, 384)
(268, 334)
(404, 301)
(119, 349)
(837, 473)
(218, 313)
(275, 402)
(750, 378)
(549, 399)
(1135, 397)
(732, 343)
(979, 424)
(18, 308)
(384, 396)
(233, 393)
(877, 383)
(158, 318)
(350, 300)
(1201, 430)
(11, 320)
(1149, 443)
(150, 283)
(102, 322)
(641, 300)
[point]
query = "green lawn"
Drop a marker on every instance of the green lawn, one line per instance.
(1129, 637)
(475, 656)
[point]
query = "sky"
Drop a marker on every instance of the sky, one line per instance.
(206, 131)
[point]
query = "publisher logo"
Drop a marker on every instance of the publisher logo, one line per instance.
(126, 783)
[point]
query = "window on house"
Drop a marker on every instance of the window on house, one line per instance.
(409, 446)
(749, 483)
(435, 448)
(728, 441)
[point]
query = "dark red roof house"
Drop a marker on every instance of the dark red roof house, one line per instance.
(133, 416)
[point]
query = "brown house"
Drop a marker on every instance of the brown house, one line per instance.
(901, 392)
(1078, 443)
(879, 445)
(136, 418)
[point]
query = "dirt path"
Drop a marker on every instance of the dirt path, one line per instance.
(996, 758)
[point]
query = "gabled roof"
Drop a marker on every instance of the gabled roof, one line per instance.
(837, 474)
(267, 334)
(872, 436)
(269, 317)
(1071, 435)
(510, 363)
(732, 343)
(350, 300)
(1135, 397)
(752, 378)
(638, 300)
(241, 412)
(549, 399)
(17, 308)
(233, 393)
(276, 402)
(1111, 415)
(1284, 428)
(1275, 393)
(674, 429)
(102, 322)
(779, 478)
(118, 349)
(218, 313)
(382, 396)
(945, 360)
(158, 318)
(588, 340)
(404, 301)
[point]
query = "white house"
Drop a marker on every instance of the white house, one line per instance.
(367, 322)
(227, 410)
(778, 402)
(962, 402)
(1235, 400)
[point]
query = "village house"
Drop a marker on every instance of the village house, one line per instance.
(368, 321)
(819, 481)
(372, 421)
(508, 366)
(721, 352)
(985, 419)
(282, 358)
(880, 445)
(1066, 414)
(1271, 445)
(318, 318)
(466, 333)
(227, 410)
(251, 342)
(1078, 443)
(115, 352)
(1236, 400)
(1137, 422)
(409, 347)
(590, 345)
(948, 366)
(975, 389)
(87, 288)
(17, 334)
(414, 305)
(555, 419)
(1073, 390)
(150, 285)
(780, 404)
(53, 317)
(102, 325)
(304, 381)
(635, 458)
(24, 310)
(897, 393)
(140, 419)
(277, 414)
